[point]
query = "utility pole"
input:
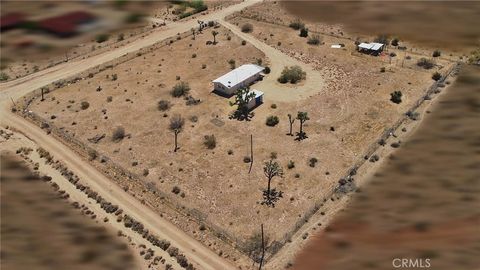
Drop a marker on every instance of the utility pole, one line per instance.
(251, 154)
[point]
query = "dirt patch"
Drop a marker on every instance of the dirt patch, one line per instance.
(418, 208)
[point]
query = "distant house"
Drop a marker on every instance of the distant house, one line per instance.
(240, 77)
(255, 101)
(67, 24)
(371, 48)
(11, 20)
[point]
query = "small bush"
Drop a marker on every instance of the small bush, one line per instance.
(118, 134)
(273, 106)
(244, 42)
(273, 155)
(291, 164)
(109, 99)
(436, 76)
(382, 69)
(272, 121)
(84, 105)
(232, 64)
(176, 190)
(209, 141)
(314, 40)
(292, 74)
(163, 105)
(436, 53)
(180, 89)
(267, 70)
(247, 28)
(395, 42)
(312, 162)
(92, 154)
(304, 32)
(425, 63)
(101, 38)
(194, 55)
(4, 76)
(396, 97)
(296, 24)
(247, 159)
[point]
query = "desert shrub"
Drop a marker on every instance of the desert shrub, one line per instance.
(145, 172)
(392, 54)
(297, 175)
(395, 42)
(273, 106)
(436, 76)
(109, 99)
(194, 55)
(396, 97)
(121, 37)
(101, 38)
(304, 32)
(204, 66)
(244, 42)
(273, 155)
(163, 105)
(209, 141)
(382, 69)
(247, 28)
(247, 159)
(176, 190)
(232, 64)
(4, 76)
(297, 24)
(230, 152)
(92, 154)
(292, 74)
(382, 39)
(180, 89)
(425, 63)
(84, 105)
(436, 53)
(314, 40)
(267, 70)
(291, 164)
(118, 134)
(312, 162)
(272, 121)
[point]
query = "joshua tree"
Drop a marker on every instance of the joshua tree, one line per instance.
(214, 34)
(243, 96)
(271, 169)
(176, 126)
(302, 117)
(291, 120)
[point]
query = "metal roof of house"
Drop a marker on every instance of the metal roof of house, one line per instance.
(371, 46)
(239, 75)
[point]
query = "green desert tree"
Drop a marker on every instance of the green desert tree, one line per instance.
(271, 169)
(302, 117)
(214, 34)
(176, 126)
(242, 97)
(291, 120)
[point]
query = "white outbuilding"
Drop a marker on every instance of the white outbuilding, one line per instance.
(243, 76)
(373, 47)
(256, 100)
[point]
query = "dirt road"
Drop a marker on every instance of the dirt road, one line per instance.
(274, 90)
(10, 91)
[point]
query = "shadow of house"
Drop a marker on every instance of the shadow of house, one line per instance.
(66, 25)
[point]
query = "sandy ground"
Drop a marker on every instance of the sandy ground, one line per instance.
(38, 226)
(421, 208)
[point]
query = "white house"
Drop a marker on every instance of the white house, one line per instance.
(255, 101)
(373, 47)
(243, 76)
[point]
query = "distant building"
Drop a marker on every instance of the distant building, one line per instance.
(66, 25)
(255, 101)
(240, 77)
(371, 48)
(11, 21)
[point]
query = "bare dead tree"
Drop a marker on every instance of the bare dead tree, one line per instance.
(291, 120)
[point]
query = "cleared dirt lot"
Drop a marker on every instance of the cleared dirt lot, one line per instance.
(38, 226)
(422, 203)
(354, 101)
